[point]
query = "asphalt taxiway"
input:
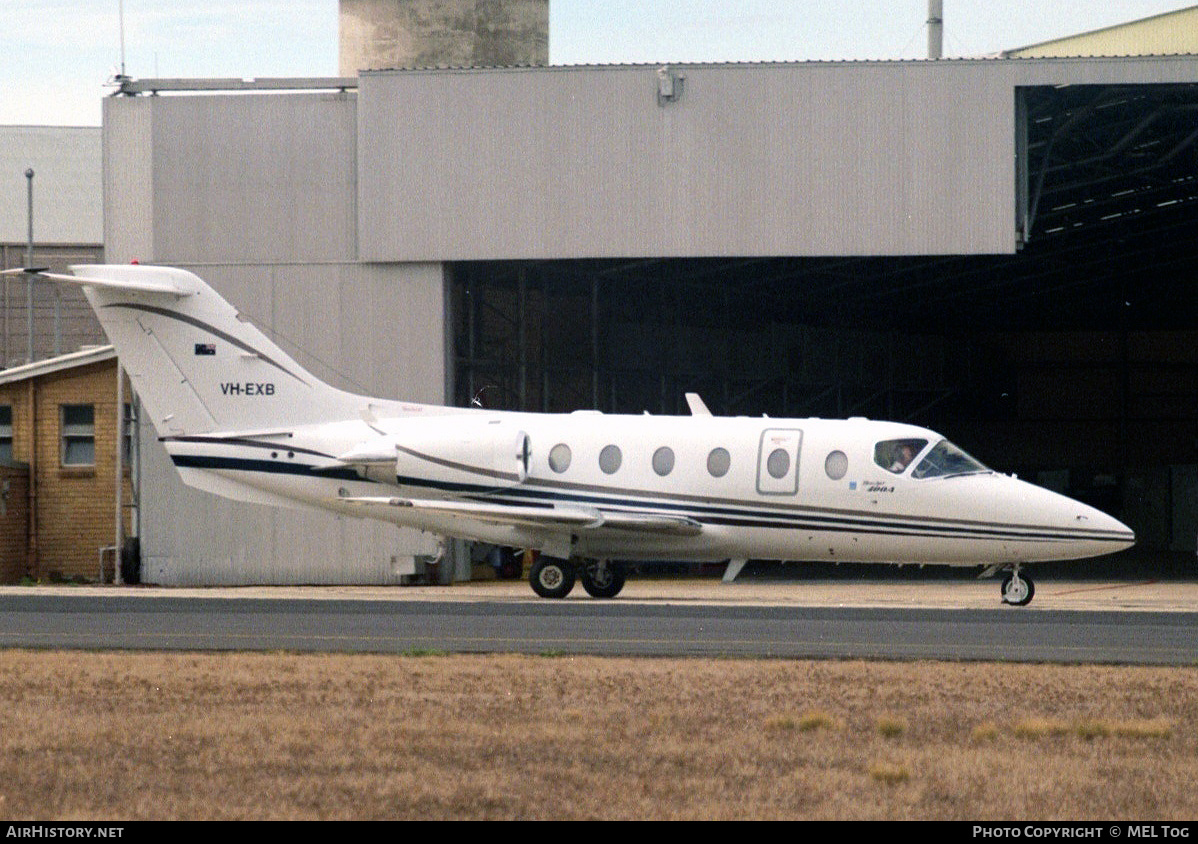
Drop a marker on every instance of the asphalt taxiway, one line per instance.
(1141, 591)
(1131, 620)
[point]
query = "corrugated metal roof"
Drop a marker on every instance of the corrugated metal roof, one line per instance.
(67, 163)
(1004, 56)
(97, 354)
(1169, 33)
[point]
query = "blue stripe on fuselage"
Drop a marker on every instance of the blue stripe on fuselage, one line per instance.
(708, 513)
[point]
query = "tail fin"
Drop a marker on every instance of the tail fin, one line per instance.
(196, 364)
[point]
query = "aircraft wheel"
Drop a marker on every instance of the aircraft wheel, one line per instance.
(1017, 590)
(602, 579)
(551, 577)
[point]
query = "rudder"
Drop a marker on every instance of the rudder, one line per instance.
(197, 365)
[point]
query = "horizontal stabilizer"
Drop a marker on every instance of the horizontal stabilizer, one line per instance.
(134, 278)
(548, 518)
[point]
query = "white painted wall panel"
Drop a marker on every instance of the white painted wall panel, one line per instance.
(128, 148)
(255, 178)
(823, 159)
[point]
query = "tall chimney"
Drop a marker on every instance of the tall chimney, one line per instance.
(935, 28)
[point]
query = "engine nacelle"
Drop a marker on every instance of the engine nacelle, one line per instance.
(450, 451)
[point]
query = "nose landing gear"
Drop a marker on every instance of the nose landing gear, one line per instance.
(1017, 590)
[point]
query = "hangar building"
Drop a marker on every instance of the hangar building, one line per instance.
(67, 229)
(1001, 249)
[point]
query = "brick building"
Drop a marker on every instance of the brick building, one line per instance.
(58, 464)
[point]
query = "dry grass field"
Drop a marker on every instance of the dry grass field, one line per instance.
(128, 736)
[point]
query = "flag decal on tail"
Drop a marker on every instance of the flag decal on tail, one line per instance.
(205, 348)
(203, 326)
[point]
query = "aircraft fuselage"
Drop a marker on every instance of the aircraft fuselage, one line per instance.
(760, 488)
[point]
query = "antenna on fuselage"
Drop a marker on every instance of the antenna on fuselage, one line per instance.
(477, 401)
(698, 408)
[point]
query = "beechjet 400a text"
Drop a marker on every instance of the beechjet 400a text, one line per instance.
(591, 492)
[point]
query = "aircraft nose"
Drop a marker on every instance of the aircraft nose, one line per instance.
(1089, 532)
(1114, 535)
(1069, 529)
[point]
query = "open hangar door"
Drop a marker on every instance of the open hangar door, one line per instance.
(1072, 362)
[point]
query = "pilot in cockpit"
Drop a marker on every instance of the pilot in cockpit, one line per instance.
(902, 457)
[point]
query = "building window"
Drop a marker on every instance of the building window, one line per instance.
(6, 433)
(78, 435)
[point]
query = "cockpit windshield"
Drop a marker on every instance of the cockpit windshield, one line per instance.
(896, 455)
(945, 460)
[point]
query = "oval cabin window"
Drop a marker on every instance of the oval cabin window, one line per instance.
(610, 459)
(778, 463)
(718, 462)
(559, 458)
(836, 465)
(663, 461)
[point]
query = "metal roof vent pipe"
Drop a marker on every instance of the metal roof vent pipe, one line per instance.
(935, 28)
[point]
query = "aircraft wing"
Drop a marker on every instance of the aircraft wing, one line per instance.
(546, 518)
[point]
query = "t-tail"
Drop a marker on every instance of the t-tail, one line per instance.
(197, 365)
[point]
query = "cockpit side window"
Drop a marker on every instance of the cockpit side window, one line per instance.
(896, 455)
(946, 459)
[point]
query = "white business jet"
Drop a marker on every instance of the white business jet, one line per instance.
(241, 419)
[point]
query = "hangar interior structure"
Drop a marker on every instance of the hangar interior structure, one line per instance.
(1001, 249)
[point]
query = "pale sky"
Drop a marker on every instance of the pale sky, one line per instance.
(57, 55)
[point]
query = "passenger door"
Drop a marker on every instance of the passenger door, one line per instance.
(778, 461)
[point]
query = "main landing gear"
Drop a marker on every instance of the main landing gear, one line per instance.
(552, 577)
(1017, 589)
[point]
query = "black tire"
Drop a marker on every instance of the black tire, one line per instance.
(602, 580)
(1018, 598)
(551, 577)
